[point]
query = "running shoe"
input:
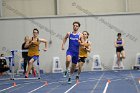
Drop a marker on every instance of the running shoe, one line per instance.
(26, 76)
(65, 74)
(77, 78)
(69, 80)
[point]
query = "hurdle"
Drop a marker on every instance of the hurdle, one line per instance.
(13, 65)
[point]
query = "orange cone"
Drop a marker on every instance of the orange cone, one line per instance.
(109, 81)
(46, 83)
(14, 84)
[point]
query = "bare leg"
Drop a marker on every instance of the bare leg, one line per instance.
(72, 68)
(29, 66)
(68, 59)
(80, 65)
(71, 72)
(118, 59)
(123, 54)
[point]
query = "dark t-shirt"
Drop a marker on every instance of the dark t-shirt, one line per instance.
(24, 54)
(2, 63)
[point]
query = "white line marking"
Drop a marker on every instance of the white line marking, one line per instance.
(15, 86)
(138, 91)
(53, 89)
(37, 88)
(105, 89)
(92, 91)
(6, 89)
(91, 79)
(70, 88)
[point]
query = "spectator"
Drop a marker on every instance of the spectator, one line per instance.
(3, 65)
(25, 54)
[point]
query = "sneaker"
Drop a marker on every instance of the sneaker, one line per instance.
(26, 76)
(69, 80)
(65, 74)
(77, 78)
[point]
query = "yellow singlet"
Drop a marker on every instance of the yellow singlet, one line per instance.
(82, 50)
(34, 49)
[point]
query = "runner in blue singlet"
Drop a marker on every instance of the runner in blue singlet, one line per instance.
(75, 40)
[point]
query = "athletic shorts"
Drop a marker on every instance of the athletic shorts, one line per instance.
(74, 56)
(34, 57)
(82, 59)
(119, 49)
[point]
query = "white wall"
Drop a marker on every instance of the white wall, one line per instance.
(102, 35)
(39, 8)
(29, 7)
(133, 5)
(94, 6)
(0, 8)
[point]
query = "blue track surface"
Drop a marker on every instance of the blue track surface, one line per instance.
(90, 82)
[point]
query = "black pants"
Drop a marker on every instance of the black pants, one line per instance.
(25, 64)
(4, 69)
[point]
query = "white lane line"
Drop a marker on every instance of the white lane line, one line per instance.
(105, 89)
(46, 83)
(70, 88)
(9, 87)
(14, 86)
(92, 91)
(79, 82)
(6, 89)
(138, 91)
(37, 88)
(57, 82)
(53, 89)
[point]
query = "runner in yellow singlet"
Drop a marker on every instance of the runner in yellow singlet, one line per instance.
(83, 52)
(33, 51)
